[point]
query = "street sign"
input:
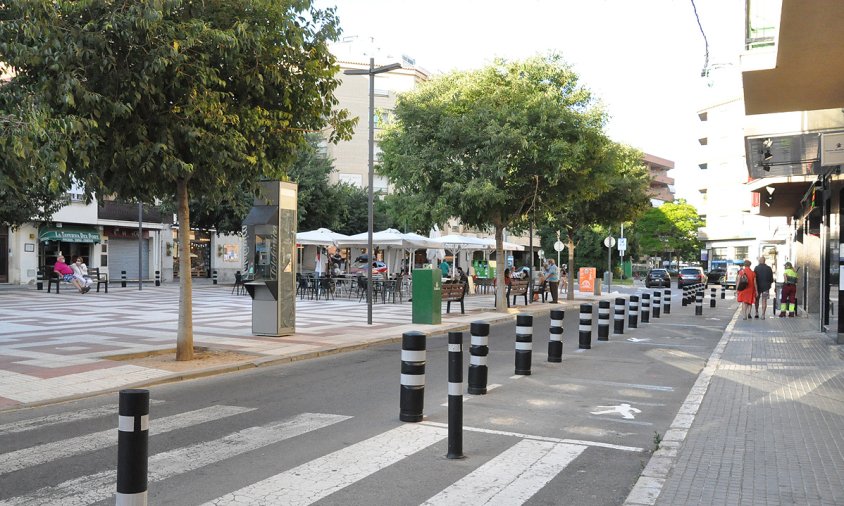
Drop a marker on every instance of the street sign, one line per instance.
(622, 243)
(609, 242)
(559, 246)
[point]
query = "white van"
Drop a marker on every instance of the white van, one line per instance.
(731, 278)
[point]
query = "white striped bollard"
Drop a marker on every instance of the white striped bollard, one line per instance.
(618, 316)
(524, 343)
(699, 303)
(712, 297)
(603, 320)
(633, 312)
(585, 327)
(645, 313)
(123, 279)
(132, 448)
(214, 277)
(555, 339)
(666, 301)
(685, 296)
(657, 305)
(478, 351)
(455, 395)
(412, 399)
(157, 278)
(724, 292)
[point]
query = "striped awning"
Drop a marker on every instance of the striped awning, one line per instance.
(69, 233)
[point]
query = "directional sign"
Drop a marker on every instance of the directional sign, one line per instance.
(559, 246)
(609, 242)
(625, 410)
(622, 243)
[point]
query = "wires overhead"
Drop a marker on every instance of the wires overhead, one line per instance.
(705, 71)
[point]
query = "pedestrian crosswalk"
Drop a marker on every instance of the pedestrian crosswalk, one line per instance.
(525, 466)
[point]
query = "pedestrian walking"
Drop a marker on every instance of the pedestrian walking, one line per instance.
(764, 280)
(746, 289)
(552, 277)
(789, 291)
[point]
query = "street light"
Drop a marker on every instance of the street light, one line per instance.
(371, 71)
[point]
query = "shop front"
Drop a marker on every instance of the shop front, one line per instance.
(69, 240)
(200, 253)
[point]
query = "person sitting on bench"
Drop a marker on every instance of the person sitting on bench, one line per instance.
(66, 274)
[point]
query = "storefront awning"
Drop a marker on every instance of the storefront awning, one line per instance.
(69, 234)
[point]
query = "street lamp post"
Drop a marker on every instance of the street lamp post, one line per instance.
(371, 71)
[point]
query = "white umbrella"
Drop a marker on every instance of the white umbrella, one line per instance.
(389, 238)
(437, 251)
(320, 237)
(508, 246)
(459, 242)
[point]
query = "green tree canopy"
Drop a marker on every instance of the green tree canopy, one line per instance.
(480, 145)
(671, 227)
(162, 99)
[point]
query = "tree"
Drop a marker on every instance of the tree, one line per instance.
(481, 145)
(671, 227)
(614, 190)
(161, 100)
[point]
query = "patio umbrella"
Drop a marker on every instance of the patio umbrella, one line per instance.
(437, 252)
(389, 239)
(320, 237)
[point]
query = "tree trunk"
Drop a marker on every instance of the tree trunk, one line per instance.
(184, 339)
(570, 292)
(500, 265)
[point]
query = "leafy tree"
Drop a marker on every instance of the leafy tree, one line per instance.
(671, 227)
(613, 191)
(316, 197)
(481, 145)
(160, 100)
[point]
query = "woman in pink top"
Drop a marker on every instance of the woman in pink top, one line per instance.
(66, 273)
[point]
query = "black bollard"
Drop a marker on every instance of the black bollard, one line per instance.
(585, 327)
(214, 277)
(412, 376)
(645, 316)
(122, 279)
(132, 447)
(478, 351)
(699, 303)
(685, 296)
(455, 395)
(657, 305)
(666, 302)
(524, 343)
(712, 297)
(633, 312)
(604, 320)
(555, 340)
(39, 280)
(618, 317)
(724, 292)
(157, 278)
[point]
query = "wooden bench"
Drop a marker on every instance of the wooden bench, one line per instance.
(518, 287)
(100, 278)
(53, 278)
(453, 292)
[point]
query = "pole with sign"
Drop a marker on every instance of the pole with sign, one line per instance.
(609, 242)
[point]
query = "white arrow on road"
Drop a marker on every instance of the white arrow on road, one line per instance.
(638, 340)
(625, 410)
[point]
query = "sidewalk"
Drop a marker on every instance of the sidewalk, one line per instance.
(764, 423)
(56, 347)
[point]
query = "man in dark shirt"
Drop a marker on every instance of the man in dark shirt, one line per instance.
(764, 280)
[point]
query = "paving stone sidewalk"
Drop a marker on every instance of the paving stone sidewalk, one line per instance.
(764, 424)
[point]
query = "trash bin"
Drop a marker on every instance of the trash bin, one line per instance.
(264, 308)
(427, 297)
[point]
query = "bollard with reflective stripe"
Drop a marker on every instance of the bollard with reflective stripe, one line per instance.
(666, 302)
(618, 316)
(132, 447)
(524, 343)
(157, 278)
(657, 305)
(123, 279)
(633, 312)
(478, 351)
(455, 395)
(699, 303)
(555, 340)
(724, 292)
(645, 314)
(712, 297)
(685, 296)
(214, 277)
(604, 320)
(412, 376)
(585, 327)
(39, 283)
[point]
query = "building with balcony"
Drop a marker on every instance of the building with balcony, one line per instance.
(662, 186)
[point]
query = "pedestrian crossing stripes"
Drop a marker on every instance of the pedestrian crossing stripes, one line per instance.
(511, 477)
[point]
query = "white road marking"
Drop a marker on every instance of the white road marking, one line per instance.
(469, 397)
(70, 416)
(625, 410)
(638, 340)
(512, 477)
(320, 477)
(97, 487)
(48, 452)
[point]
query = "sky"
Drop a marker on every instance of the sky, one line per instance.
(641, 58)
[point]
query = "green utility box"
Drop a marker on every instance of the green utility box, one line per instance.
(427, 297)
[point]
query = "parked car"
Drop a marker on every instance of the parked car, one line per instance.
(716, 276)
(658, 277)
(731, 277)
(360, 268)
(690, 276)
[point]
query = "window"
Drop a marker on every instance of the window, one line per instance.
(741, 252)
(352, 179)
(719, 253)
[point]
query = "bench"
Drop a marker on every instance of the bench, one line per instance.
(52, 278)
(453, 292)
(518, 287)
(100, 278)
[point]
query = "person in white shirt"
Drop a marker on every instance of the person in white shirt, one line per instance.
(80, 272)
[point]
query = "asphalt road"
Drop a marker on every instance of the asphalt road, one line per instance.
(326, 431)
